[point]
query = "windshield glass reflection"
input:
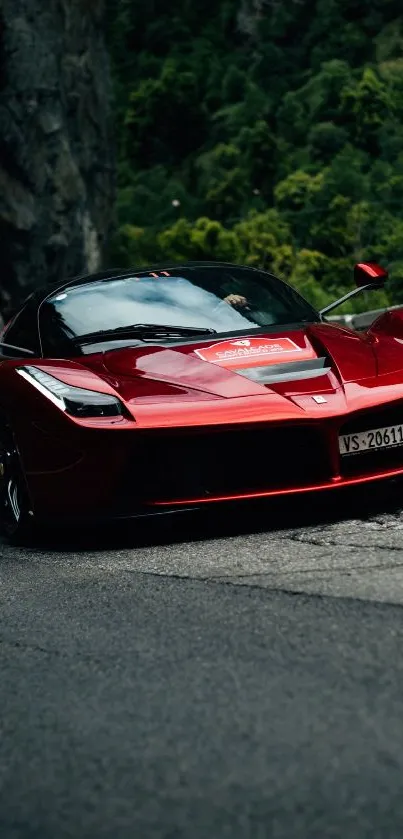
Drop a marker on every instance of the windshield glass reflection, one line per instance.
(222, 299)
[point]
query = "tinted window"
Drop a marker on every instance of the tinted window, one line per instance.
(224, 299)
(23, 331)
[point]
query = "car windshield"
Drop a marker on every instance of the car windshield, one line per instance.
(223, 299)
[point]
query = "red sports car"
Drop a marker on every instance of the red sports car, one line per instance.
(163, 389)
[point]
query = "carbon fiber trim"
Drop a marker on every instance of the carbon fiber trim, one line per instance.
(287, 372)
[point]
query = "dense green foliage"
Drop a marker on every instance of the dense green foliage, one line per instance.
(268, 132)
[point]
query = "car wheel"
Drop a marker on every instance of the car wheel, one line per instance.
(16, 519)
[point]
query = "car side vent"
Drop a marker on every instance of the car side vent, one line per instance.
(271, 373)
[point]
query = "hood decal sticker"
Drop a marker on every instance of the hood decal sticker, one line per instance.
(251, 351)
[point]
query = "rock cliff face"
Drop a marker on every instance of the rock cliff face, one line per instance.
(56, 149)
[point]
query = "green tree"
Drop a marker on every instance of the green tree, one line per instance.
(364, 106)
(268, 132)
(165, 119)
(204, 240)
(265, 241)
(223, 180)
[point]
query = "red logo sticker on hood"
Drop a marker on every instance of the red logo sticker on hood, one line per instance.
(247, 351)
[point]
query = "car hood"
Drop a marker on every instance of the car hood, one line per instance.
(319, 358)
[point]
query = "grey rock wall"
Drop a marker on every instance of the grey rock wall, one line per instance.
(56, 143)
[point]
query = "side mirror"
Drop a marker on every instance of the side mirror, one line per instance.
(366, 273)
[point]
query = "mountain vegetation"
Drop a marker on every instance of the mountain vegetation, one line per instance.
(267, 132)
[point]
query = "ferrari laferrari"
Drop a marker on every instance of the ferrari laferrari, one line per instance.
(130, 394)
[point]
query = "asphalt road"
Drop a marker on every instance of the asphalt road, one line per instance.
(231, 679)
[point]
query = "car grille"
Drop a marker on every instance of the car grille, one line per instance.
(364, 463)
(194, 464)
(377, 418)
(380, 459)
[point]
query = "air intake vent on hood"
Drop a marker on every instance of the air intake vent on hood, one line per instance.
(271, 373)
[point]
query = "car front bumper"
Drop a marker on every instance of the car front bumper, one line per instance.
(115, 474)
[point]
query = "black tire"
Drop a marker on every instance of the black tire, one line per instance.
(16, 518)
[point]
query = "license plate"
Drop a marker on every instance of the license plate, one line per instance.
(377, 438)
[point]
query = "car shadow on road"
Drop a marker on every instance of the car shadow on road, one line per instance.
(272, 515)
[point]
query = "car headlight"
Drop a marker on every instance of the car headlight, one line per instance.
(73, 400)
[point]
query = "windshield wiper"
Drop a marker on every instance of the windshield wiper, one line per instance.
(152, 330)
